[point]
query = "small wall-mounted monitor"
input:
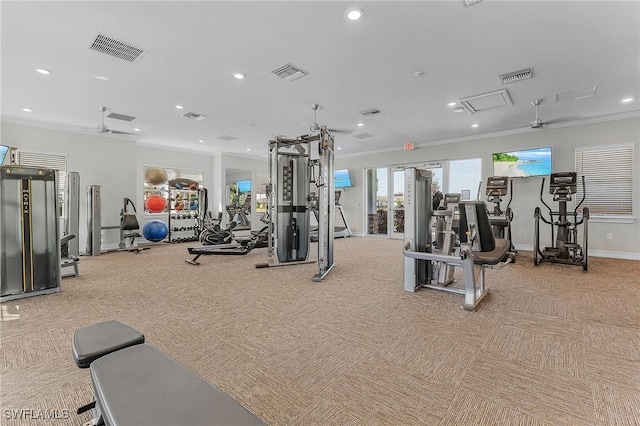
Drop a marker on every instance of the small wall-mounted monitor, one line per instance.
(523, 163)
(3, 153)
(244, 186)
(342, 179)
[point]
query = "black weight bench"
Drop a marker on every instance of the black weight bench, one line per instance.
(135, 383)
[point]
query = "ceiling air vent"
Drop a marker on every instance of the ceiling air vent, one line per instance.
(363, 136)
(226, 137)
(370, 112)
(514, 76)
(289, 72)
(468, 3)
(574, 95)
(121, 116)
(110, 46)
(194, 116)
(497, 99)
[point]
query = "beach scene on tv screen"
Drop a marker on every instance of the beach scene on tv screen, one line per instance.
(525, 163)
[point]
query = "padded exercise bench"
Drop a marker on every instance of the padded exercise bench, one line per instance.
(137, 384)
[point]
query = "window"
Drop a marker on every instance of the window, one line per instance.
(464, 176)
(608, 173)
(48, 161)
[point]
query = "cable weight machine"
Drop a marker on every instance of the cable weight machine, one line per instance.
(565, 248)
(292, 170)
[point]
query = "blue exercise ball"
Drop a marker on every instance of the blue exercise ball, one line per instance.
(156, 230)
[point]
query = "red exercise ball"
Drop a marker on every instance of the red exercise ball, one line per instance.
(155, 203)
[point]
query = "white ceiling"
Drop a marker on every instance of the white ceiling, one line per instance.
(195, 47)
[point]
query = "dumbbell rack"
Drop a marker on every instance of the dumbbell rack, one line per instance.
(183, 223)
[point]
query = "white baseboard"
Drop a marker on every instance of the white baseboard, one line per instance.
(596, 253)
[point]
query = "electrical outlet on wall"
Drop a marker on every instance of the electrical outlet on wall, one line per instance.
(609, 236)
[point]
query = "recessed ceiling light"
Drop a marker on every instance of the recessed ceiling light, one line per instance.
(27, 109)
(451, 104)
(339, 148)
(418, 73)
(360, 124)
(248, 149)
(43, 71)
(475, 125)
(179, 107)
(626, 100)
(458, 109)
(100, 77)
(136, 129)
(238, 75)
(201, 140)
(354, 13)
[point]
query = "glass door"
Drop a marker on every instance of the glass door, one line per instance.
(396, 219)
(377, 196)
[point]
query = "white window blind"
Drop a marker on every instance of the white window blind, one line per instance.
(608, 173)
(46, 161)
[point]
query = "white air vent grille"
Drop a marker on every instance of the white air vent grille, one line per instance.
(497, 99)
(468, 3)
(226, 137)
(363, 136)
(121, 116)
(514, 76)
(574, 95)
(289, 72)
(194, 116)
(371, 111)
(110, 46)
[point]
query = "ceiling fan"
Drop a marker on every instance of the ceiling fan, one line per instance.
(316, 127)
(102, 128)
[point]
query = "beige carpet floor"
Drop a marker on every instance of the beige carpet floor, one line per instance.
(551, 345)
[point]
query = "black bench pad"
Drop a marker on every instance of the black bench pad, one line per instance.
(97, 340)
(141, 385)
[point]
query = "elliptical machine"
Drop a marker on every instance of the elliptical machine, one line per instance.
(565, 248)
(497, 187)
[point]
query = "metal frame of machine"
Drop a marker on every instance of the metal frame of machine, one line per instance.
(565, 248)
(291, 172)
(426, 267)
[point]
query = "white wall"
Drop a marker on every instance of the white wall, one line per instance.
(115, 165)
(626, 237)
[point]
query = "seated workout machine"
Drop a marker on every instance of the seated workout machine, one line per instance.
(425, 266)
(135, 383)
(66, 258)
(564, 225)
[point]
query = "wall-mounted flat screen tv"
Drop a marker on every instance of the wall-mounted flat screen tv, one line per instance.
(342, 179)
(244, 186)
(523, 163)
(3, 152)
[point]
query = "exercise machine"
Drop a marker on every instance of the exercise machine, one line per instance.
(135, 383)
(69, 250)
(128, 227)
(427, 267)
(338, 231)
(564, 224)
(213, 234)
(29, 232)
(293, 167)
(498, 187)
(239, 248)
